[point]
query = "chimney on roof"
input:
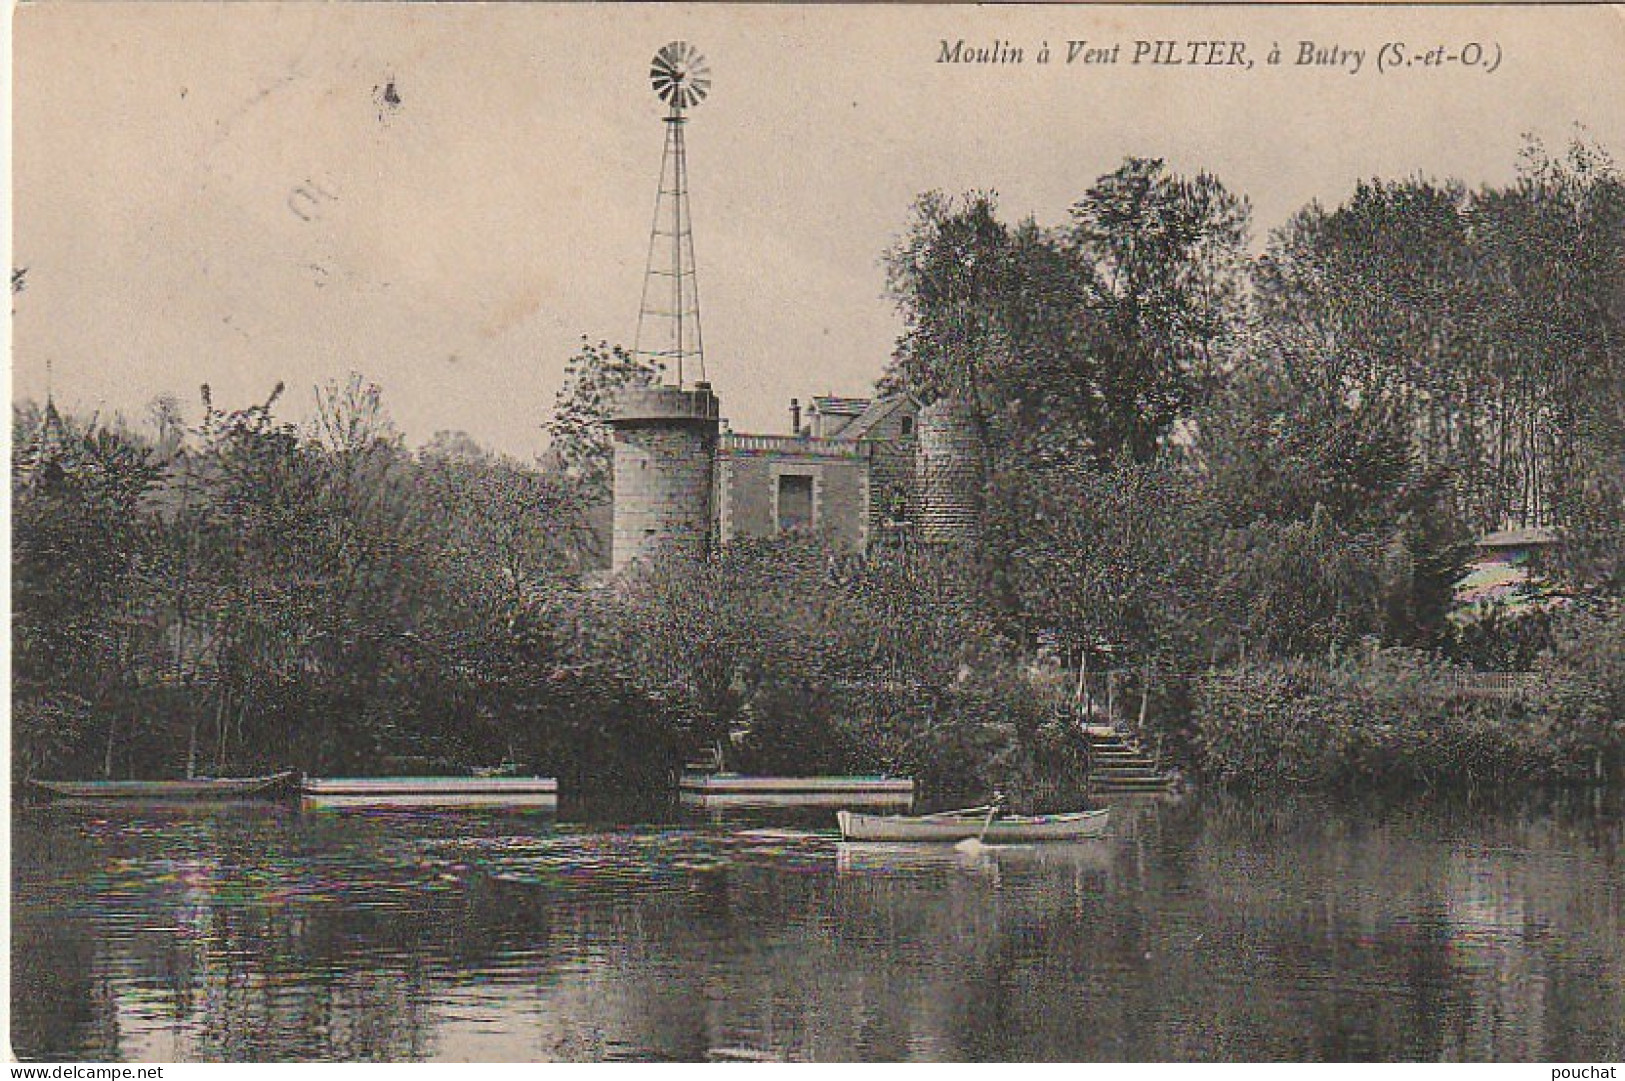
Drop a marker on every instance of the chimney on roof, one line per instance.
(795, 416)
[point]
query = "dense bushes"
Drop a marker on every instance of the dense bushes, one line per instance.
(1500, 639)
(1583, 691)
(250, 594)
(1398, 720)
(794, 657)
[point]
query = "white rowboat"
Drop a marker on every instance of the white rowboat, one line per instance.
(404, 792)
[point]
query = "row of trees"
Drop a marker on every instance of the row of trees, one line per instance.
(243, 593)
(1191, 453)
(1192, 457)
(248, 592)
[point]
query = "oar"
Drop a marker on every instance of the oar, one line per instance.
(959, 813)
(993, 809)
(973, 845)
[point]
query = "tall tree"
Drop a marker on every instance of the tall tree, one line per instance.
(947, 276)
(1166, 258)
(1075, 343)
(1487, 323)
(77, 543)
(579, 428)
(1558, 241)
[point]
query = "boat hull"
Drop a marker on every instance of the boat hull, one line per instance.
(386, 792)
(1084, 825)
(739, 784)
(272, 786)
(740, 790)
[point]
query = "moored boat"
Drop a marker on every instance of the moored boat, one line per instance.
(284, 785)
(400, 792)
(737, 789)
(963, 825)
(712, 783)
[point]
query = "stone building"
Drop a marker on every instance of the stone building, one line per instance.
(860, 471)
(855, 470)
(846, 469)
(665, 452)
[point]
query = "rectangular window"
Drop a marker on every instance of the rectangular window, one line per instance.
(795, 502)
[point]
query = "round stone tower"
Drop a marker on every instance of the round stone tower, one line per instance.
(665, 459)
(950, 473)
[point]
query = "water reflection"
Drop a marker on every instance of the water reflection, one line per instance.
(1209, 929)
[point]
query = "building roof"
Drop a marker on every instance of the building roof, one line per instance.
(1526, 537)
(879, 409)
(829, 406)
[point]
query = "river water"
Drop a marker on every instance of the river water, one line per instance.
(1210, 928)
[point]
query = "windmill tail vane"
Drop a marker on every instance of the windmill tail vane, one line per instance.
(669, 313)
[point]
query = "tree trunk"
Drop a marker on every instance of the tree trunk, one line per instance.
(221, 720)
(191, 748)
(1088, 692)
(107, 755)
(242, 709)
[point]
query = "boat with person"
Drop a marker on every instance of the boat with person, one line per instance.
(974, 823)
(283, 785)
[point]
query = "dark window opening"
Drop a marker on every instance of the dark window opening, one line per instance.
(795, 503)
(897, 504)
(908, 426)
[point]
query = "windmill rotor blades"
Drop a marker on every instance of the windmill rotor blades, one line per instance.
(680, 75)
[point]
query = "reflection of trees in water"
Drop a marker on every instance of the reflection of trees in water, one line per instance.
(61, 1005)
(264, 996)
(1213, 929)
(353, 973)
(247, 939)
(1400, 931)
(752, 960)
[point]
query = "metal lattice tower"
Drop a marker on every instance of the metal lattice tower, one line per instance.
(669, 313)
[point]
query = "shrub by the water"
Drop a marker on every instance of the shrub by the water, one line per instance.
(1498, 640)
(1582, 693)
(1398, 721)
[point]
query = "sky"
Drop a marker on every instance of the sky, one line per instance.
(225, 194)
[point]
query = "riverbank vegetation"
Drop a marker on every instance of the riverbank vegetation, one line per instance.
(1317, 436)
(1402, 720)
(1245, 479)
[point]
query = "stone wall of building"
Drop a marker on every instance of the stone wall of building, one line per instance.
(749, 472)
(950, 467)
(893, 484)
(892, 446)
(665, 441)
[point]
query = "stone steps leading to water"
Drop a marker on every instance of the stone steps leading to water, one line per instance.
(1122, 767)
